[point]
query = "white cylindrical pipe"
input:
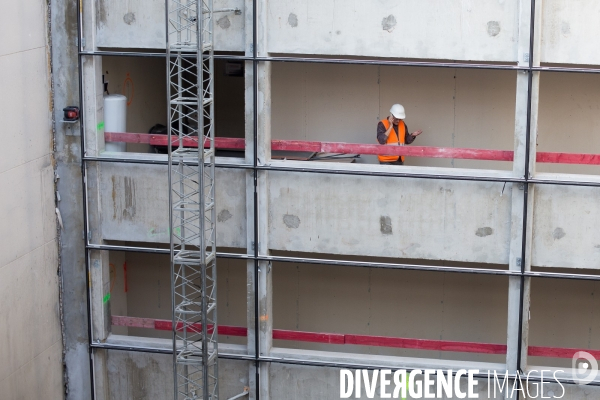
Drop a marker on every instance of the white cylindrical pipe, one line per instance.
(115, 119)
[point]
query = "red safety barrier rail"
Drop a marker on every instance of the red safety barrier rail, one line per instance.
(362, 340)
(357, 148)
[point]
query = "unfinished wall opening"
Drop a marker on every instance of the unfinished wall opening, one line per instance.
(142, 80)
(568, 138)
(362, 305)
(140, 299)
(455, 108)
(554, 325)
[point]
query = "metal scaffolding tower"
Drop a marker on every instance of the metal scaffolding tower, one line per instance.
(192, 198)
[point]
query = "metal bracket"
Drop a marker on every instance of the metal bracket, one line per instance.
(244, 393)
(237, 11)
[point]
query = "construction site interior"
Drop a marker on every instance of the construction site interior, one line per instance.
(481, 252)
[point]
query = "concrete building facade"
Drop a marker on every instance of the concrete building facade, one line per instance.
(31, 346)
(483, 259)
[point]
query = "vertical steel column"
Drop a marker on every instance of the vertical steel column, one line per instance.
(255, 198)
(527, 177)
(191, 198)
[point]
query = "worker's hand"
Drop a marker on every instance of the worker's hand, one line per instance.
(416, 133)
(391, 120)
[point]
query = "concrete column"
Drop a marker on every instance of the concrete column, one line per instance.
(93, 91)
(93, 105)
(519, 170)
(64, 17)
(100, 288)
(263, 149)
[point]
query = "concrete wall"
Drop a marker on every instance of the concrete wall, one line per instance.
(150, 376)
(30, 332)
(141, 24)
(570, 32)
(409, 29)
(392, 223)
(134, 204)
(459, 30)
(564, 225)
(441, 221)
(471, 224)
(389, 218)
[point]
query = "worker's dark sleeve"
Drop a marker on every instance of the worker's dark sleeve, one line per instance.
(381, 133)
(408, 138)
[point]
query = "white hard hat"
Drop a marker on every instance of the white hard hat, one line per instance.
(398, 111)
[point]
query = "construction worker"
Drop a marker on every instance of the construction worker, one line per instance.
(393, 131)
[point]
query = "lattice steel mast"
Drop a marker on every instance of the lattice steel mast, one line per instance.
(191, 198)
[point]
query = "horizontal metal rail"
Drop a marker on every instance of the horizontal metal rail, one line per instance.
(360, 340)
(362, 264)
(352, 61)
(311, 362)
(225, 143)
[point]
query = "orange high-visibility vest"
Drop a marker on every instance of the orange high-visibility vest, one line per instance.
(394, 140)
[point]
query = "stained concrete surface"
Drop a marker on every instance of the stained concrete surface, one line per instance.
(141, 24)
(134, 375)
(135, 207)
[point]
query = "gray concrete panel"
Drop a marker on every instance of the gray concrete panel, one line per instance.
(389, 217)
(460, 30)
(141, 24)
(150, 376)
(565, 227)
(570, 32)
(134, 204)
